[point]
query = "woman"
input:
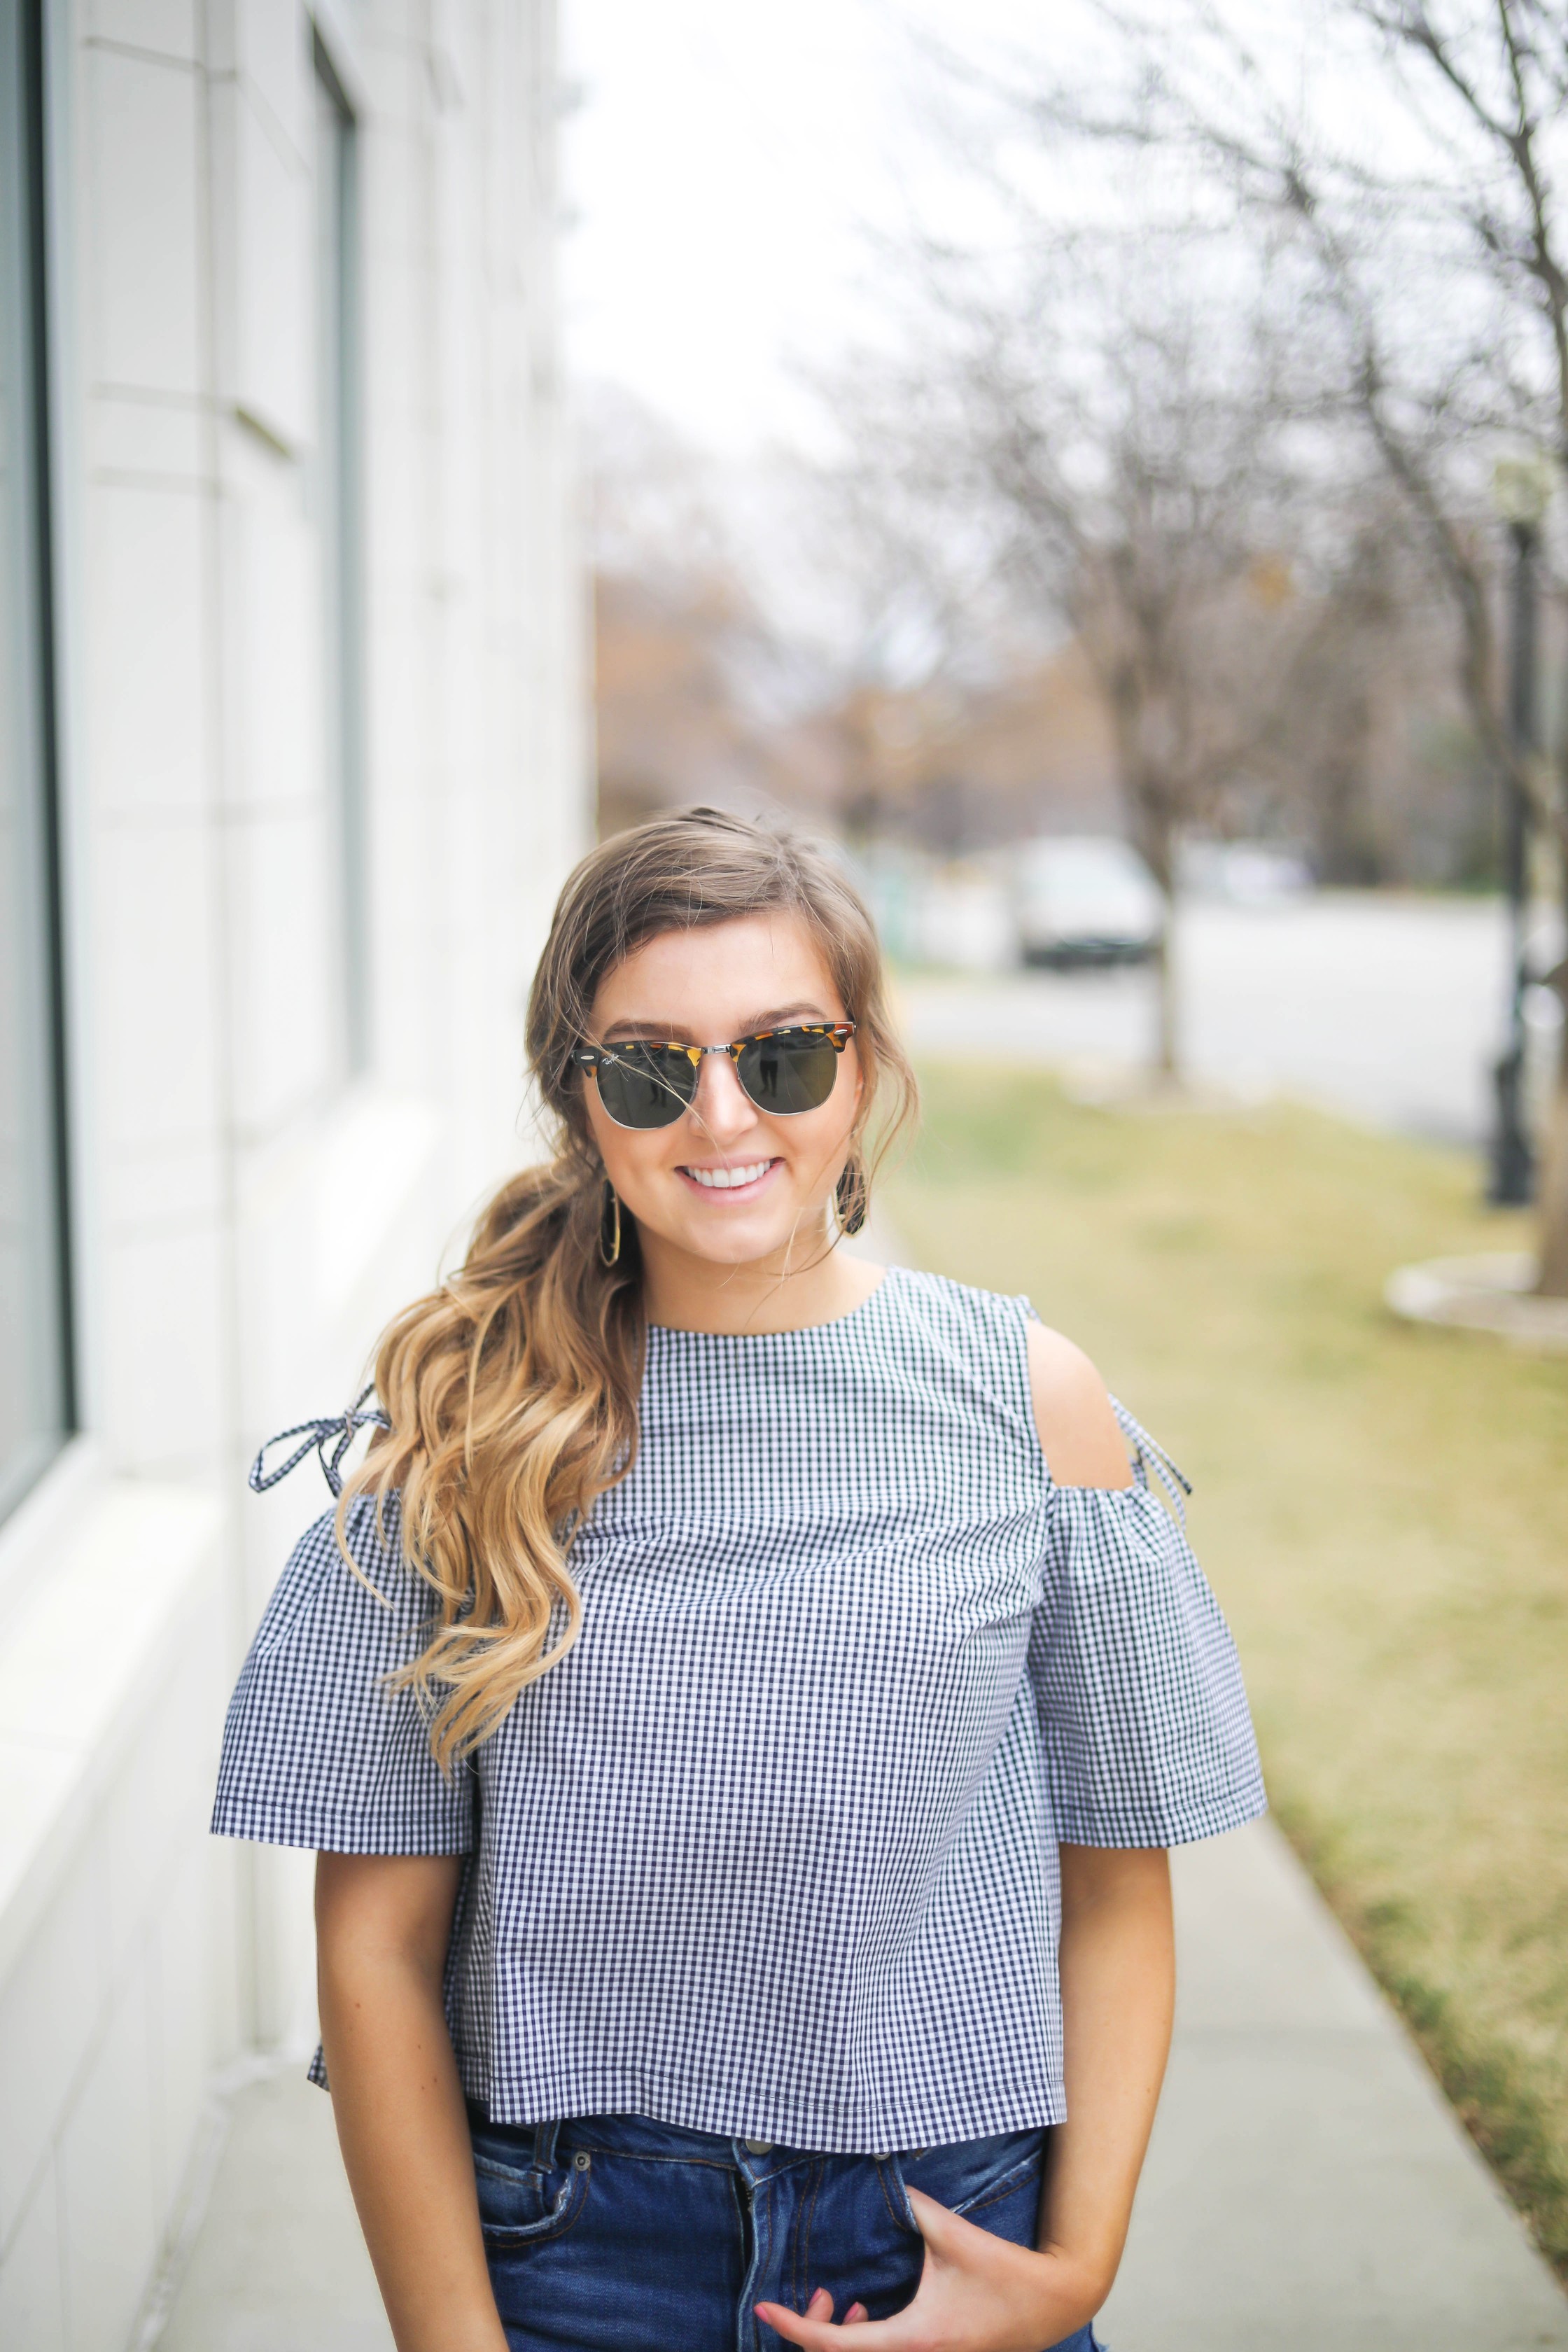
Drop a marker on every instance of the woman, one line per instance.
(740, 1705)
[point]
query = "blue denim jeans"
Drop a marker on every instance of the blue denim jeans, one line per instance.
(611, 2233)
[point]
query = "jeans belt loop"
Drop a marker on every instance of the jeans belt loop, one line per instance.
(545, 2138)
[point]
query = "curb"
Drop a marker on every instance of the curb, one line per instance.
(1491, 1293)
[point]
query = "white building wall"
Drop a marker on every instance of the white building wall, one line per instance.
(245, 1218)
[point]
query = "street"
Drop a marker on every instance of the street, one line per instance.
(1388, 1009)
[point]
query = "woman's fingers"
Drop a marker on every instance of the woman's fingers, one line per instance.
(820, 2309)
(817, 2335)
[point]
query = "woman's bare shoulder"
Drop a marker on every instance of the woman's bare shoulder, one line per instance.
(1082, 1444)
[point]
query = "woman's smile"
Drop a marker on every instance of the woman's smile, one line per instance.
(745, 1177)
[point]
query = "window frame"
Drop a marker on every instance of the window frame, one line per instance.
(39, 815)
(344, 620)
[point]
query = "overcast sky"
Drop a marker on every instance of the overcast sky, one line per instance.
(727, 158)
(722, 165)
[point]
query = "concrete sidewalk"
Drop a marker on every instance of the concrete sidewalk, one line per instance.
(1308, 2186)
(277, 2265)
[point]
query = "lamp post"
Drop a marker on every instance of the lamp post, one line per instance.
(1521, 488)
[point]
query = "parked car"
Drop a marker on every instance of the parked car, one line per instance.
(1085, 899)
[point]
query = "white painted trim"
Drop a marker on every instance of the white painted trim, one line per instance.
(32, 1536)
(78, 1667)
(358, 1164)
(67, 477)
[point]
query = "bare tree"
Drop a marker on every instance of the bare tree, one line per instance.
(1096, 436)
(1433, 298)
(1505, 67)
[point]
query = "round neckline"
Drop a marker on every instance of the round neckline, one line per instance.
(791, 1331)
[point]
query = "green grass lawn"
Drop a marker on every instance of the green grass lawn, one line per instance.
(1382, 1510)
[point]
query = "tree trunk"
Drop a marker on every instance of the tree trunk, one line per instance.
(1167, 1056)
(1155, 837)
(1151, 797)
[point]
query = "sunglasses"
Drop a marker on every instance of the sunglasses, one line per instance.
(784, 1071)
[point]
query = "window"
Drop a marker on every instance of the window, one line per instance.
(336, 508)
(35, 1358)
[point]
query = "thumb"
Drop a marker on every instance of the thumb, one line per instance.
(942, 2230)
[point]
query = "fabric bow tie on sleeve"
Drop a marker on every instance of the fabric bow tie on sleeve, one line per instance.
(1148, 1456)
(338, 1432)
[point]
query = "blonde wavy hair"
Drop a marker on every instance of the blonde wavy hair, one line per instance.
(511, 1391)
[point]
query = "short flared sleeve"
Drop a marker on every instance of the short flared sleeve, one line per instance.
(317, 1751)
(1143, 1718)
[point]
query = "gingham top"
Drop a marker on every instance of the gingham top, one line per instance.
(773, 1850)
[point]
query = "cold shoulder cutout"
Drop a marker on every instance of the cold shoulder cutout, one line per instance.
(1074, 1416)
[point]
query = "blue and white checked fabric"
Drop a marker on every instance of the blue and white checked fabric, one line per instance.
(773, 1850)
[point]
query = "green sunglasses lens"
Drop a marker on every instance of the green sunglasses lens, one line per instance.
(789, 1073)
(647, 1086)
(652, 1085)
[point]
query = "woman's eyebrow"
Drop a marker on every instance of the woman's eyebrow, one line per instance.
(675, 1033)
(778, 1015)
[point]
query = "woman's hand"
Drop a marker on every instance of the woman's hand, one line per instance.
(977, 2294)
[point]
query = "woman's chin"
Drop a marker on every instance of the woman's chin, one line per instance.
(737, 1245)
(745, 1234)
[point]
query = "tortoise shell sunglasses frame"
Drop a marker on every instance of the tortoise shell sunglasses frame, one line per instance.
(647, 1082)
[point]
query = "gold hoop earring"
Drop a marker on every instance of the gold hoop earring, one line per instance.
(852, 1196)
(610, 1225)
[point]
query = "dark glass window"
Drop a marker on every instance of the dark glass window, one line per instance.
(335, 501)
(35, 1355)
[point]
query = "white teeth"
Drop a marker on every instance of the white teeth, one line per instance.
(722, 1180)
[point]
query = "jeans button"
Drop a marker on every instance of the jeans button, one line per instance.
(759, 2147)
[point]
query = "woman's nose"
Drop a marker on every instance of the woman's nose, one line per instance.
(722, 1108)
